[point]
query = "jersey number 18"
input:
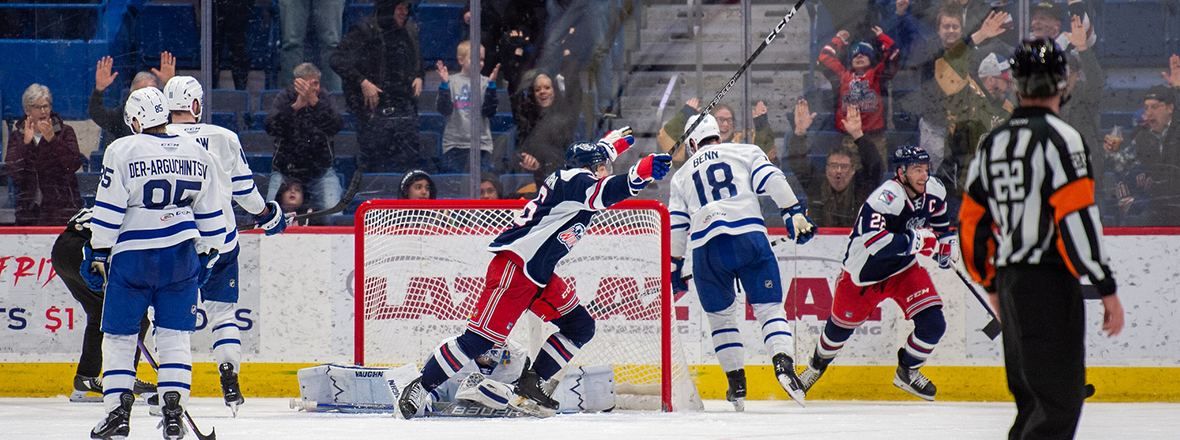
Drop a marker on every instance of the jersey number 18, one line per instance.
(715, 185)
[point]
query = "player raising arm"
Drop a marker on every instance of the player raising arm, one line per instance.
(231, 174)
(715, 214)
(520, 276)
(156, 232)
(902, 218)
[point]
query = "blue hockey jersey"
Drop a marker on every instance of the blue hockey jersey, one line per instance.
(556, 219)
(879, 244)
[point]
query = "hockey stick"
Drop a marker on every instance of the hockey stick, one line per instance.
(741, 70)
(311, 405)
(152, 361)
(596, 308)
(353, 186)
(992, 329)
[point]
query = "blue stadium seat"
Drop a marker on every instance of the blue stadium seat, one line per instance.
(431, 143)
(256, 142)
(88, 183)
(96, 160)
(431, 121)
(503, 122)
(168, 27)
(237, 101)
(381, 185)
(345, 143)
(1134, 33)
(266, 99)
(262, 182)
(453, 186)
(441, 28)
(350, 123)
(514, 182)
(229, 120)
(259, 163)
(337, 99)
(344, 164)
(256, 121)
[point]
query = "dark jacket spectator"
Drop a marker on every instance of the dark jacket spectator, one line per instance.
(547, 121)
(1085, 81)
(110, 119)
(303, 135)
(41, 160)
(906, 22)
(836, 191)
(1147, 169)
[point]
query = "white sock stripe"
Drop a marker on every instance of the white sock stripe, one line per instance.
(174, 348)
(920, 343)
(450, 357)
(118, 359)
(560, 348)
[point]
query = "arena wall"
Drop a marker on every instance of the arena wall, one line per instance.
(296, 310)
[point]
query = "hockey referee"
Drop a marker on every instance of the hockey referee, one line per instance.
(1030, 229)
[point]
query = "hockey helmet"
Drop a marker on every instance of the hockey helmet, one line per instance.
(1039, 68)
(147, 106)
(705, 130)
(907, 155)
(414, 176)
(181, 91)
(585, 154)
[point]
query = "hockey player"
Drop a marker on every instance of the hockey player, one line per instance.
(715, 214)
(156, 232)
(231, 173)
(520, 276)
(902, 218)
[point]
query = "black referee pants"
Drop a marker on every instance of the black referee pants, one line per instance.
(1044, 349)
(67, 262)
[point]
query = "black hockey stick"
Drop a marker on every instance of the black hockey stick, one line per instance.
(741, 70)
(152, 361)
(992, 329)
(353, 186)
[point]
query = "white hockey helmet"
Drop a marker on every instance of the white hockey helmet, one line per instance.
(705, 130)
(147, 106)
(181, 91)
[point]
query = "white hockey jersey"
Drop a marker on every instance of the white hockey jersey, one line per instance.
(157, 191)
(716, 192)
(233, 174)
(878, 246)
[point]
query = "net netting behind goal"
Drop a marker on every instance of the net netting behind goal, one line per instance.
(421, 266)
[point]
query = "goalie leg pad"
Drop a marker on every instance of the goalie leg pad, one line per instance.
(589, 388)
(575, 329)
(832, 339)
(451, 356)
(776, 331)
(176, 362)
(727, 341)
(118, 354)
(490, 393)
(929, 326)
(227, 337)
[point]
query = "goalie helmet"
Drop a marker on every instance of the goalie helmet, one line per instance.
(181, 91)
(585, 154)
(1039, 68)
(706, 129)
(147, 106)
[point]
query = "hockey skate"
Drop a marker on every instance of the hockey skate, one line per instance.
(154, 405)
(913, 381)
(737, 389)
(784, 370)
(230, 388)
(116, 425)
(412, 399)
(531, 397)
(173, 421)
(814, 370)
(84, 385)
(145, 389)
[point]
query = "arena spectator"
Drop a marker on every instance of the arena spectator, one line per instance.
(294, 16)
(857, 16)
(582, 30)
(904, 21)
(1147, 168)
(381, 71)
(1046, 19)
(456, 107)
(835, 192)
(303, 124)
(547, 121)
(1084, 84)
(995, 74)
(861, 84)
(231, 19)
(41, 160)
(490, 187)
(762, 134)
(417, 185)
(110, 119)
(292, 200)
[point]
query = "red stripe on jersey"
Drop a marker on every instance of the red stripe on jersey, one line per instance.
(874, 239)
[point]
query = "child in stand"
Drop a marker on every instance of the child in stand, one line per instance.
(454, 102)
(861, 84)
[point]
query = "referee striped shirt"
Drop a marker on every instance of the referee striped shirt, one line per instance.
(1030, 200)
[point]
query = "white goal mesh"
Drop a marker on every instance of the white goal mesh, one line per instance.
(421, 266)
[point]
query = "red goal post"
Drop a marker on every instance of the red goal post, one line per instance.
(420, 266)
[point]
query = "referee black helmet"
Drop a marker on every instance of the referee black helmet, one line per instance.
(1039, 68)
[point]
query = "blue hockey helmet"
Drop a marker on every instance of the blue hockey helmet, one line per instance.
(585, 154)
(907, 155)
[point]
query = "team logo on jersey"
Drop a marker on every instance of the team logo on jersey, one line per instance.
(572, 236)
(166, 217)
(887, 197)
(769, 284)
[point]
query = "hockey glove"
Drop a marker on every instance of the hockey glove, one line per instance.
(94, 267)
(274, 222)
(800, 228)
(207, 262)
(678, 282)
(616, 142)
(948, 252)
(652, 167)
(922, 241)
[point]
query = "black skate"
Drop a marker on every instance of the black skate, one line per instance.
(913, 381)
(154, 405)
(146, 389)
(229, 387)
(116, 425)
(737, 389)
(84, 385)
(531, 397)
(784, 370)
(814, 370)
(173, 421)
(412, 398)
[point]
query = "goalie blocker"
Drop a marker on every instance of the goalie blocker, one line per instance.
(351, 389)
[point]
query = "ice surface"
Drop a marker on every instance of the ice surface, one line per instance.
(56, 418)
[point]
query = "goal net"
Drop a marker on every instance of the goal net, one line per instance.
(421, 265)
